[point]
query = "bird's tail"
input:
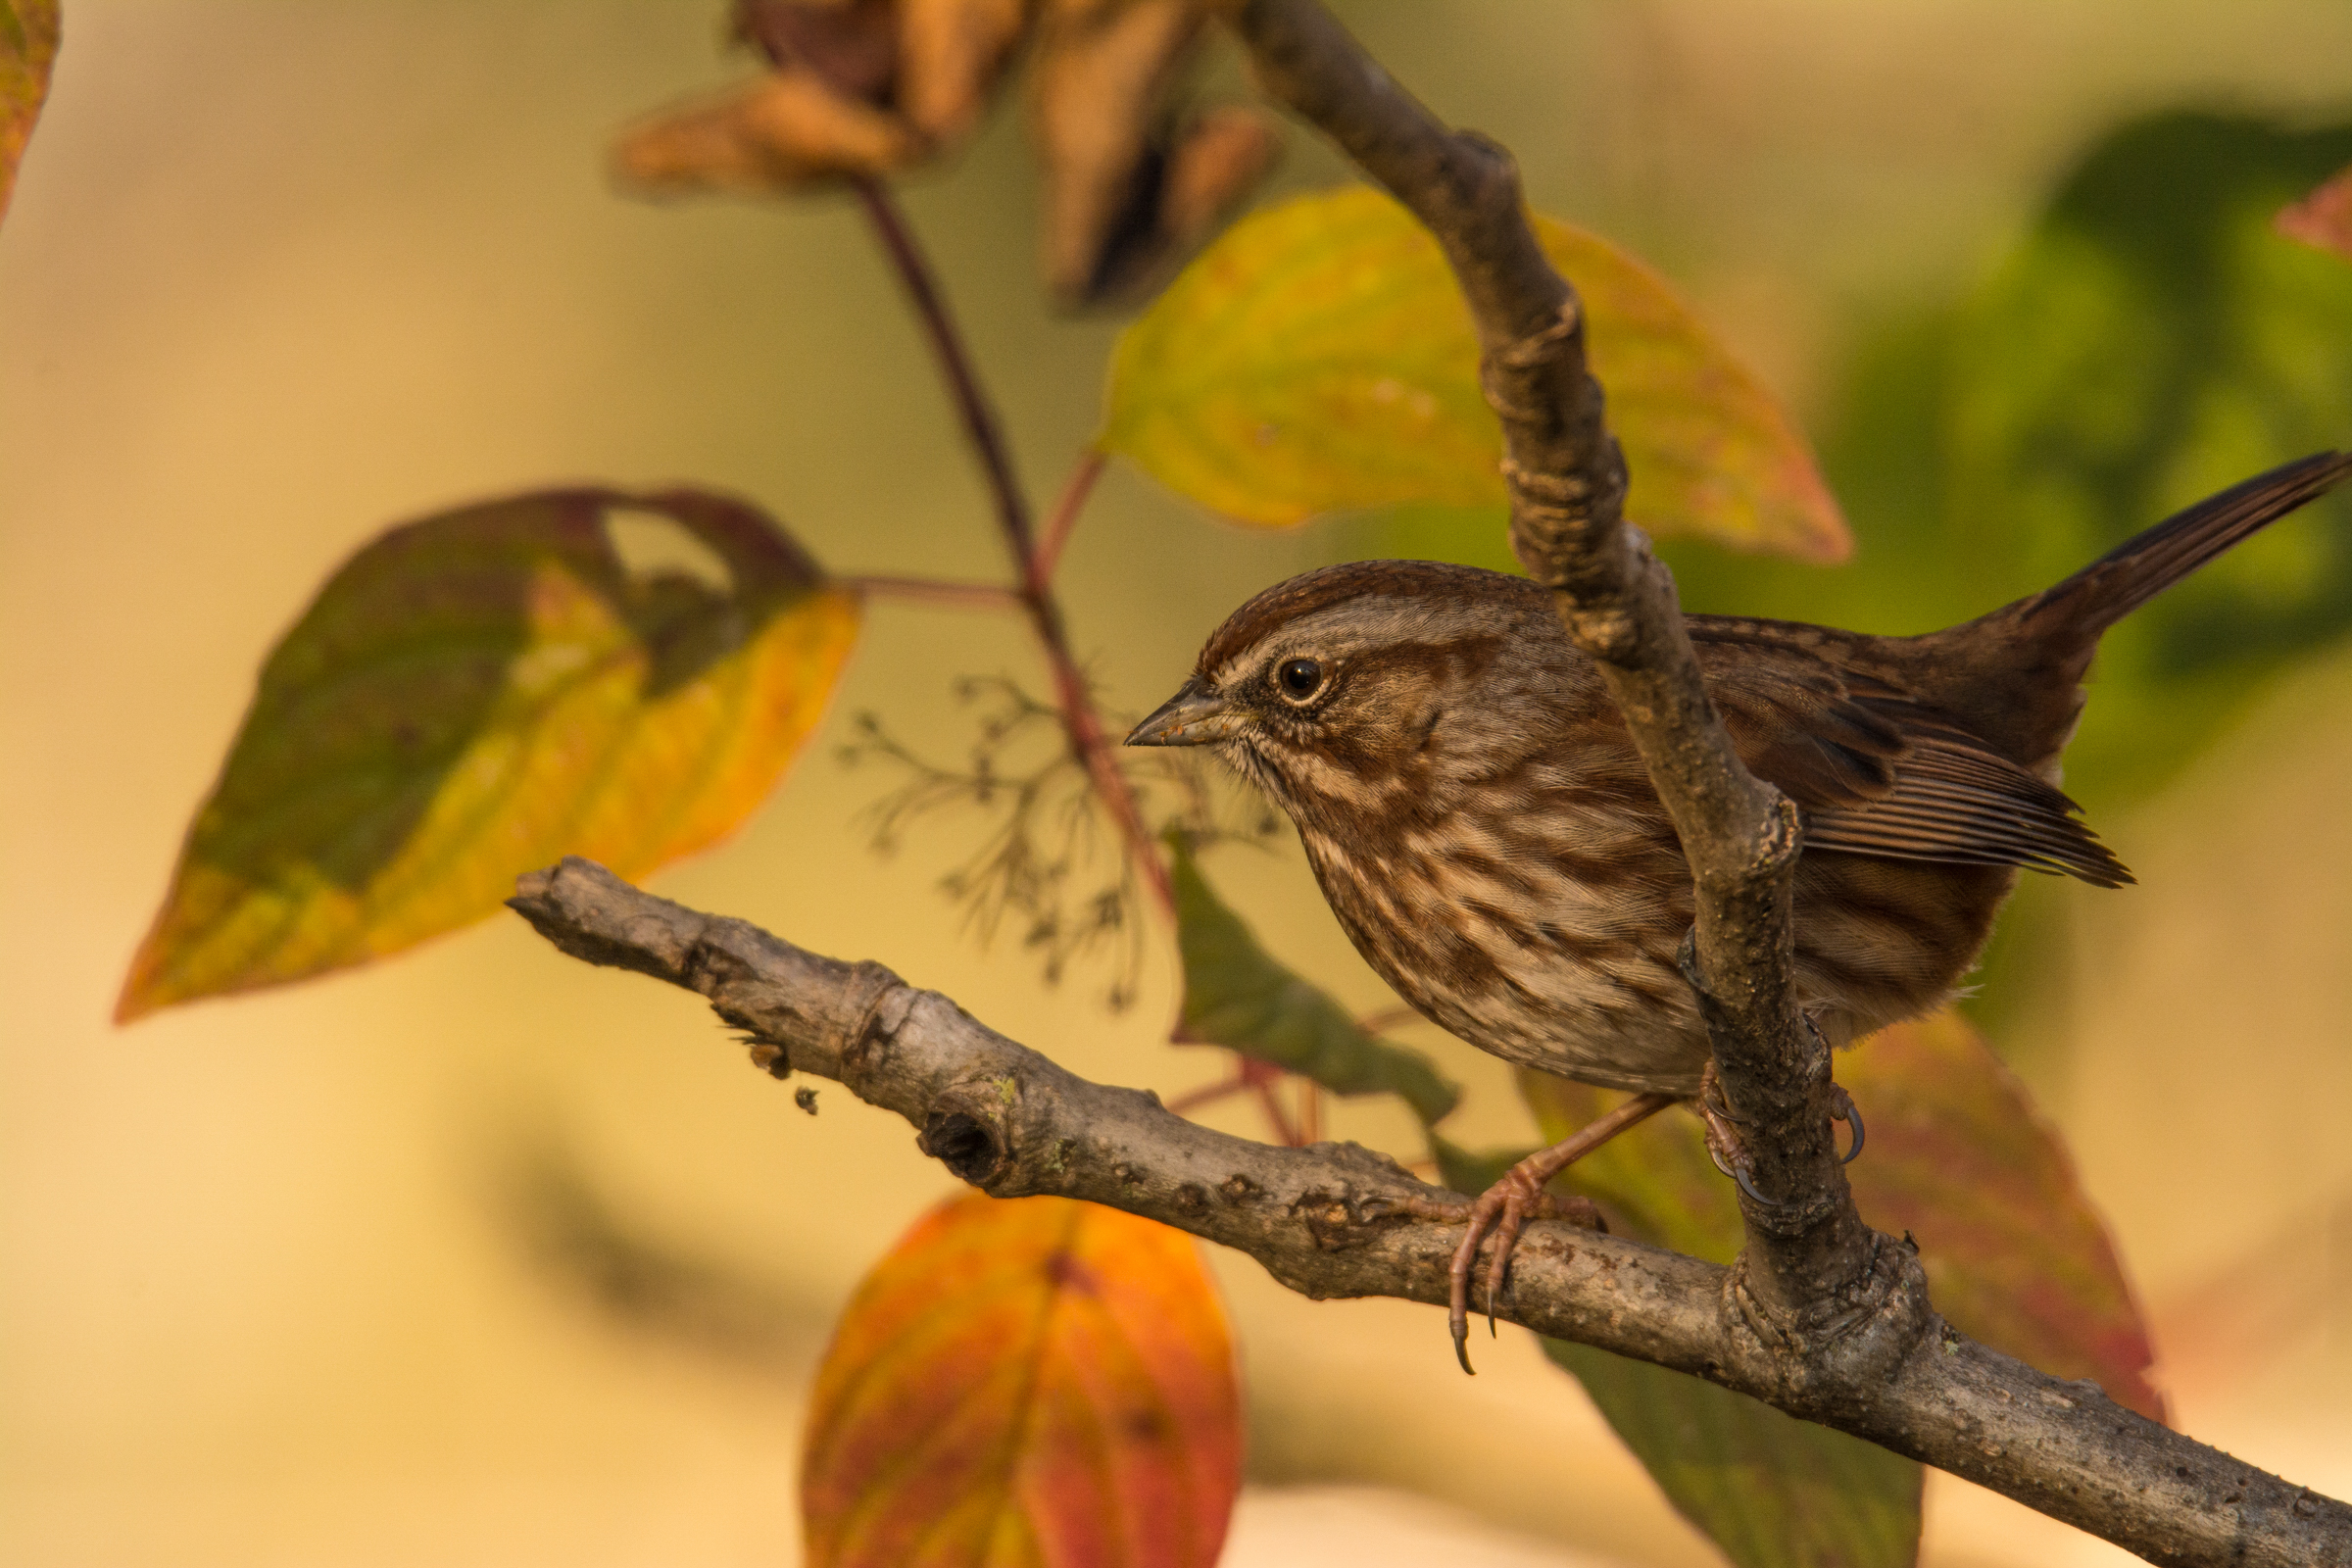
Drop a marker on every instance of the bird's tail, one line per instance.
(2015, 674)
(2145, 565)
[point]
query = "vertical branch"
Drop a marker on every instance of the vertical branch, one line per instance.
(1810, 1256)
(980, 426)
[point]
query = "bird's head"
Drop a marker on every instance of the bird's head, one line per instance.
(1355, 687)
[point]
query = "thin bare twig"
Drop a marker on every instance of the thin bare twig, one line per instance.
(972, 407)
(1081, 720)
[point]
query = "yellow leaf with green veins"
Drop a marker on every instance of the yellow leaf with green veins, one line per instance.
(1320, 358)
(480, 693)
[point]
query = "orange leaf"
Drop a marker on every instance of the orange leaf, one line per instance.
(1026, 1382)
(28, 34)
(2015, 1257)
(480, 693)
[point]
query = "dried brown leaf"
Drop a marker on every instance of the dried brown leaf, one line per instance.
(851, 45)
(784, 132)
(1130, 187)
(951, 55)
(1219, 158)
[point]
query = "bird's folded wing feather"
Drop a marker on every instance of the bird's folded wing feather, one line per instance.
(1877, 772)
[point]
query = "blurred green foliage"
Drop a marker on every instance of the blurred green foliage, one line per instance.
(2150, 339)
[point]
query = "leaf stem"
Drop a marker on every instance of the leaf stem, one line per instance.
(1047, 557)
(936, 591)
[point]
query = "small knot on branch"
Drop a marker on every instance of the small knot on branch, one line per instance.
(1539, 348)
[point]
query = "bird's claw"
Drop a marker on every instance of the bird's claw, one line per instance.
(1723, 1138)
(1842, 1109)
(1502, 1212)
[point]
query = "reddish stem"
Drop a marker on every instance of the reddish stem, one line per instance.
(1081, 724)
(933, 591)
(1286, 1133)
(1046, 559)
(980, 425)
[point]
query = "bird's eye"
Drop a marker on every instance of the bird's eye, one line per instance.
(1299, 679)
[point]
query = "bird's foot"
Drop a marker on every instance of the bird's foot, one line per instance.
(1730, 1154)
(1503, 1211)
(1724, 1145)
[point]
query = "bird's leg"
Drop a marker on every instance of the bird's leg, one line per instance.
(1504, 1208)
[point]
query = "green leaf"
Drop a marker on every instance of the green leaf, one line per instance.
(28, 35)
(1236, 996)
(1318, 358)
(1771, 1490)
(480, 693)
(2156, 339)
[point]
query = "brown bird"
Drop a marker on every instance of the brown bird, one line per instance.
(1483, 829)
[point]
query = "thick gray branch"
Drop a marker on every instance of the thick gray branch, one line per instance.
(1813, 1269)
(1329, 1221)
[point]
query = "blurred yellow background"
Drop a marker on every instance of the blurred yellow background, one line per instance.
(311, 1277)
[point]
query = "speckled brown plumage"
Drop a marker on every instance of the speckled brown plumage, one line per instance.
(1481, 823)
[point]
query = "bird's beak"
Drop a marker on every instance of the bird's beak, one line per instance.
(1194, 716)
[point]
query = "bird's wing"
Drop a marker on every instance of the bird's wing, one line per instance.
(1876, 771)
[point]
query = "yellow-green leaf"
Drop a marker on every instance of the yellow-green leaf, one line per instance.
(1318, 358)
(1036, 1383)
(478, 694)
(1236, 995)
(28, 34)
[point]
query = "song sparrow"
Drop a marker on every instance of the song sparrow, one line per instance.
(1482, 825)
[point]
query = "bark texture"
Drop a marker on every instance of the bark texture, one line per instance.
(1331, 1220)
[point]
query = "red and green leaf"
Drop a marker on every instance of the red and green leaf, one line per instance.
(1320, 358)
(1033, 1383)
(480, 693)
(1958, 1158)
(28, 34)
